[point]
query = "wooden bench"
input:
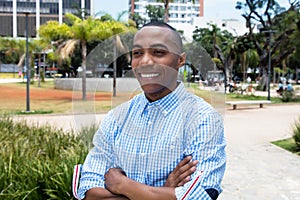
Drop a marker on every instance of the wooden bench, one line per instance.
(250, 102)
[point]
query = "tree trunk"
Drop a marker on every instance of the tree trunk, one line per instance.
(83, 54)
(166, 19)
(39, 68)
(115, 68)
(214, 45)
(264, 80)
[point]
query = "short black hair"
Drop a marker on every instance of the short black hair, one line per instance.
(160, 24)
(165, 25)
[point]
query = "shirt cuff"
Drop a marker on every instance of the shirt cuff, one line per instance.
(86, 185)
(186, 191)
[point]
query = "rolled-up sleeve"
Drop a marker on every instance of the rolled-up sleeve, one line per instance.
(99, 159)
(207, 145)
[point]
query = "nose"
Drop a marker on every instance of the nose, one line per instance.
(146, 59)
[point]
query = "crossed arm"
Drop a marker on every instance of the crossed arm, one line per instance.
(207, 148)
(120, 187)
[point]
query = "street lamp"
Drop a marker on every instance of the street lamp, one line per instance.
(269, 39)
(115, 67)
(27, 67)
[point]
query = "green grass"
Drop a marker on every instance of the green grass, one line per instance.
(37, 162)
(232, 96)
(288, 144)
(33, 112)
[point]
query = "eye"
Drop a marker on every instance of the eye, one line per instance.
(137, 53)
(159, 52)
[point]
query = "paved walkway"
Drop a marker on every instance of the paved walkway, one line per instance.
(256, 169)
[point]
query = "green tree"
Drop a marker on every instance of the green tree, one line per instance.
(13, 51)
(137, 19)
(219, 44)
(166, 8)
(271, 17)
(155, 13)
(80, 32)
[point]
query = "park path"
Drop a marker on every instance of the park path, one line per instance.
(256, 169)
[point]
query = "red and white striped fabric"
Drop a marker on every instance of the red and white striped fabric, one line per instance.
(75, 180)
(186, 194)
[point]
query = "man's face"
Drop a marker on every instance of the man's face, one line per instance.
(156, 59)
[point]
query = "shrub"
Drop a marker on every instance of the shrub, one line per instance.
(259, 87)
(37, 162)
(287, 96)
(296, 135)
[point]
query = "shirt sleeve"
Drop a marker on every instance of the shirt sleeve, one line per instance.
(99, 159)
(207, 145)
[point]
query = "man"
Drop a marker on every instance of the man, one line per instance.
(164, 143)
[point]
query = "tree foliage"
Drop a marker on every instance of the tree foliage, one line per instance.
(219, 45)
(166, 8)
(79, 31)
(155, 13)
(270, 18)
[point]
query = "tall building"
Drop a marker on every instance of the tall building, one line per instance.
(13, 14)
(180, 11)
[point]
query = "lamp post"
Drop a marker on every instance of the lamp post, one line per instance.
(27, 67)
(269, 67)
(269, 59)
(115, 68)
(269, 40)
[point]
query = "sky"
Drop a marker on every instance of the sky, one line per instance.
(224, 9)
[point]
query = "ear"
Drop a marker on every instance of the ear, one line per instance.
(181, 60)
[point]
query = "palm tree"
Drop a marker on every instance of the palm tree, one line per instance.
(166, 7)
(82, 31)
(11, 47)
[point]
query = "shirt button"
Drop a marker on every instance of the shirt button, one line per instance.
(149, 122)
(143, 154)
(164, 112)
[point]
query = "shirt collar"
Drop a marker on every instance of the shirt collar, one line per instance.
(167, 103)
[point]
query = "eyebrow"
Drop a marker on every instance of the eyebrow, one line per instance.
(151, 46)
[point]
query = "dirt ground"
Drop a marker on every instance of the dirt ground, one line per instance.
(13, 93)
(13, 98)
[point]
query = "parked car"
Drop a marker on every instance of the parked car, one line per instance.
(103, 70)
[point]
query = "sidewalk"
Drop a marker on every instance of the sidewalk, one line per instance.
(256, 169)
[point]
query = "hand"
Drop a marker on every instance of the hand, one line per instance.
(181, 174)
(114, 178)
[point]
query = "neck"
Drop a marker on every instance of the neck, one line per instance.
(162, 93)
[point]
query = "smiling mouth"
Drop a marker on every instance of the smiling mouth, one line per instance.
(149, 75)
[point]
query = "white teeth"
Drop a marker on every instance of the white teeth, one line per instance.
(149, 75)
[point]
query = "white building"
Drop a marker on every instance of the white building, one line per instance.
(234, 26)
(181, 11)
(185, 15)
(13, 12)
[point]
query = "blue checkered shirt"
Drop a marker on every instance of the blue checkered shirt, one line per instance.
(148, 139)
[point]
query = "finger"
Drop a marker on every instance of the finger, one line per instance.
(183, 168)
(182, 163)
(184, 181)
(121, 170)
(186, 173)
(180, 174)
